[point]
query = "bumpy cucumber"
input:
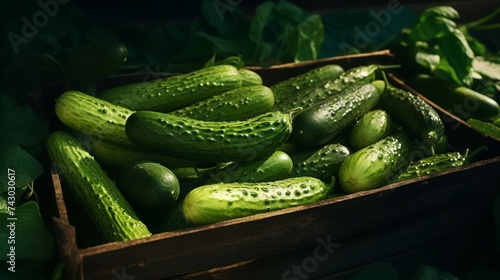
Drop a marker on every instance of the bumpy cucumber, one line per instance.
(414, 114)
(275, 167)
(322, 163)
(249, 77)
(376, 164)
(93, 190)
(353, 76)
(433, 164)
(116, 155)
(234, 105)
(175, 92)
(321, 122)
(184, 137)
(92, 116)
(370, 128)
(437, 163)
(219, 202)
(291, 87)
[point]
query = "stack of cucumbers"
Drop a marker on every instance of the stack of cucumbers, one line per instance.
(217, 144)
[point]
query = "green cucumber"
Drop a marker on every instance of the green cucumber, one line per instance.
(186, 138)
(150, 188)
(291, 87)
(370, 128)
(218, 202)
(95, 60)
(374, 165)
(175, 92)
(92, 189)
(415, 115)
(233, 105)
(461, 101)
(174, 219)
(322, 163)
(432, 164)
(275, 167)
(249, 77)
(321, 122)
(92, 116)
(116, 155)
(436, 163)
(351, 77)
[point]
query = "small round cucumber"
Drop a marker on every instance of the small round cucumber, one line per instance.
(372, 127)
(148, 186)
(376, 164)
(272, 168)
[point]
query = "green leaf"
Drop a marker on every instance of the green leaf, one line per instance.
(25, 167)
(19, 124)
(486, 68)
(228, 19)
(32, 240)
(456, 58)
(305, 41)
(428, 29)
(441, 11)
(263, 14)
(289, 10)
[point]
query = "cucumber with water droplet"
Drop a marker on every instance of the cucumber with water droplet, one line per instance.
(93, 190)
(322, 163)
(275, 167)
(213, 141)
(233, 105)
(94, 117)
(376, 164)
(219, 202)
(176, 91)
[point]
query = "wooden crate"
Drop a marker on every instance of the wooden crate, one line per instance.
(270, 235)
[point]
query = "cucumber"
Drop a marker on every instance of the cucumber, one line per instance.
(196, 140)
(96, 60)
(291, 87)
(174, 219)
(374, 165)
(321, 122)
(249, 77)
(322, 163)
(94, 192)
(92, 116)
(175, 92)
(114, 155)
(436, 163)
(461, 101)
(415, 115)
(351, 77)
(370, 128)
(150, 188)
(234, 105)
(275, 167)
(432, 164)
(218, 202)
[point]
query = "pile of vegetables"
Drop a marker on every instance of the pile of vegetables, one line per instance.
(237, 147)
(216, 143)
